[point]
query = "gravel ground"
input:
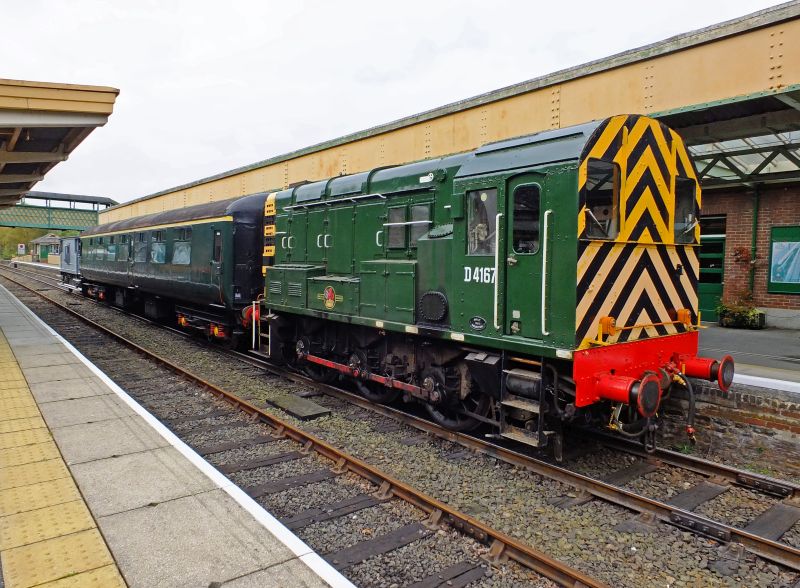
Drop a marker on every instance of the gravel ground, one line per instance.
(792, 536)
(336, 534)
(736, 507)
(299, 498)
(513, 500)
(664, 483)
(286, 469)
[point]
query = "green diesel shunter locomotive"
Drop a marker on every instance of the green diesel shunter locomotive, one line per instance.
(530, 282)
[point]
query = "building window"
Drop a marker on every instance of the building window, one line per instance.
(158, 248)
(784, 260)
(525, 236)
(685, 210)
(600, 195)
(482, 214)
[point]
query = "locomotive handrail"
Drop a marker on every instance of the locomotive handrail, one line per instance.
(377, 240)
(496, 264)
(547, 214)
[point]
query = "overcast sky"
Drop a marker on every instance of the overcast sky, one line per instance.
(206, 86)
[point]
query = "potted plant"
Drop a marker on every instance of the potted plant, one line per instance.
(739, 313)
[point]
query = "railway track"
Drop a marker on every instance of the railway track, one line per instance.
(714, 479)
(267, 456)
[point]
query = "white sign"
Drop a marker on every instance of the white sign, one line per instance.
(20, 248)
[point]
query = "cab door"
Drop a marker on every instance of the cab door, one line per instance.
(524, 256)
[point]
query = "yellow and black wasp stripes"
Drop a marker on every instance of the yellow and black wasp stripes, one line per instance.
(636, 258)
(269, 232)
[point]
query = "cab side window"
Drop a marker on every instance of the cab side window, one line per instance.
(525, 237)
(601, 195)
(481, 220)
(685, 210)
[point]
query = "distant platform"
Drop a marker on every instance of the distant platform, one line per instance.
(94, 491)
(767, 358)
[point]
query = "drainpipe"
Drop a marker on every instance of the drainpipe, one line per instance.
(753, 238)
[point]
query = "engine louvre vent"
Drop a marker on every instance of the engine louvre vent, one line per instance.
(294, 289)
(275, 287)
(433, 306)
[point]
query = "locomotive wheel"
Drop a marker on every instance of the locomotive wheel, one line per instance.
(448, 414)
(376, 393)
(372, 391)
(314, 371)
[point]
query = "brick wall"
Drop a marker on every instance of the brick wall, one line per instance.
(779, 206)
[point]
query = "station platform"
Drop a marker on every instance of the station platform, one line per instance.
(767, 358)
(94, 491)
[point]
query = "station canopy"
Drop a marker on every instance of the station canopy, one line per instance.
(41, 124)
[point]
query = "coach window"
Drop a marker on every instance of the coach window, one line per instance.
(140, 248)
(112, 248)
(420, 222)
(217, 246)
(526, 219)
(182, 247)
(158, 248)
(396, 228)
(685, 210)
(100, 250)
(482, 208)
(601, 195)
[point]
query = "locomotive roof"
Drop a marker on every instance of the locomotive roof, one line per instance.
(538, 149)
(254, 202)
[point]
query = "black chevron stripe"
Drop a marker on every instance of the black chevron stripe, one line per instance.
(686, 300)
(645, 221)
(646, 181)
(656, 277)
(687, 266)
(644, 303)
(604, 290)
(599, 257)
(648, 139)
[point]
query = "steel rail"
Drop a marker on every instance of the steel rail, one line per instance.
(502, 545)
(752, 480)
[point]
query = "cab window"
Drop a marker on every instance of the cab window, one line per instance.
(601, 196)
(525, 237)
(397, 228)
(685, 210)
(481, 220)
(420, 222)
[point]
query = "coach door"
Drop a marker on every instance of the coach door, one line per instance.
(526, 229)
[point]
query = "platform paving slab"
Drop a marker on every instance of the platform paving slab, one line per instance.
(291, 573)
(234, 546)
(89, 409)
(87, 442)
(68, 389)
(117, 484)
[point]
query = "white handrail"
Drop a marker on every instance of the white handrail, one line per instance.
(377, 240)
(496, 264)
(319, 238)
(547, 214)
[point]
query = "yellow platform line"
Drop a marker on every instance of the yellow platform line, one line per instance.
(48, 537)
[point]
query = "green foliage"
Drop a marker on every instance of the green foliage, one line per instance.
(740, 313)
(10, 237)
(685, 448)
